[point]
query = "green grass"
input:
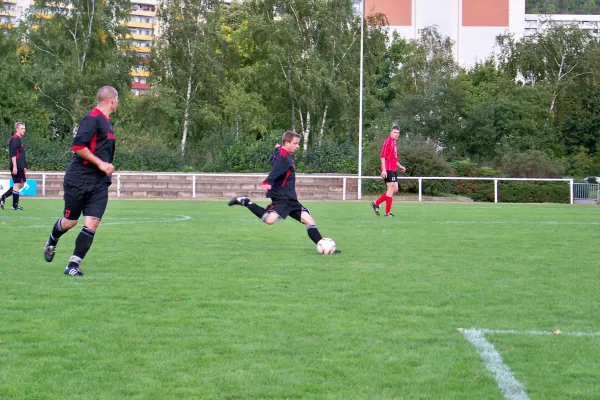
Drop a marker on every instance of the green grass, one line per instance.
(197, 300)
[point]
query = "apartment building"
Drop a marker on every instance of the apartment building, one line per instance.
(142, 26)
(471, 24)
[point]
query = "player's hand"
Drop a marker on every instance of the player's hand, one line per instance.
(402, 169)
(384, 174)
(266, 187)
(14, 170)
(107, 168)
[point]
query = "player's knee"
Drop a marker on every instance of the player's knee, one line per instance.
(67, 224)
(270, 218)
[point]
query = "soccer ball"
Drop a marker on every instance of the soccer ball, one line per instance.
(326, 246)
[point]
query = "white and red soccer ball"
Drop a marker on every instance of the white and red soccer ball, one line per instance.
(326, 246)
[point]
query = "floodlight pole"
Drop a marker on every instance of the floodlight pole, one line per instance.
(360, 107)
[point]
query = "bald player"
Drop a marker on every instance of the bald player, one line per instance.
(87, 179)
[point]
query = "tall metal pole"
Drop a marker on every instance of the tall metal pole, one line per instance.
(360, 107)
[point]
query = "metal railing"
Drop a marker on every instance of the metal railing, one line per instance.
(586, 191)
(343, 178)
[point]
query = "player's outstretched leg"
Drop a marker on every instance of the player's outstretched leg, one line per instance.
(246, 202)
(239, 201)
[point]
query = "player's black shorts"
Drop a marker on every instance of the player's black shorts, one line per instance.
(20, 176)
(391, 176)
(283, 208)
(89, 198)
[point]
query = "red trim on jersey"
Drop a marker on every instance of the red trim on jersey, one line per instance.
(282, 152)
(79, 147)
(96, 111)
(287, 175)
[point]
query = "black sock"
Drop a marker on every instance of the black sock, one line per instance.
(313, 233)
(57, 232)
(256, 209)
(16, 194)
(82, 245)
(7, 193)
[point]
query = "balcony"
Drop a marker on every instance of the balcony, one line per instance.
(142, 86)
(136, 24)
(135, 36)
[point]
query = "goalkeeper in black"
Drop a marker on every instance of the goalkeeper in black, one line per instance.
(280, 186)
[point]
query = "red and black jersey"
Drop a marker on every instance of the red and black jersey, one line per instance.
(16, 149)
(96, 133)
(282, 177)
(389, 151)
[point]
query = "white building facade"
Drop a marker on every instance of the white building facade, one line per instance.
(471, 24)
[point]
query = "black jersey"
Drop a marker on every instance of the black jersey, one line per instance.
(96, 133)
(16, 149)
(282, 177)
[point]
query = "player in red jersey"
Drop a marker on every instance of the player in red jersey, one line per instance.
(389, 162)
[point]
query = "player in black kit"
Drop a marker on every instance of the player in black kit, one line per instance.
(280, 186)
(87, 179)
(17, 164)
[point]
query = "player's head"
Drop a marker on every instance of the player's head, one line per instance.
(395, 132)
(290, 141)
(108, 98)
(20, 128)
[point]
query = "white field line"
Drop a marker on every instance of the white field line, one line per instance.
(510, 386)
(538, 333)
(119, 221)
(421, 222)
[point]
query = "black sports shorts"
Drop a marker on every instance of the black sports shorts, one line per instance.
(19, 177)
(283, 208)
(89, 198)
(391, 176)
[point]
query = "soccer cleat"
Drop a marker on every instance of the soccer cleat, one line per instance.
(73, 271)
(49, 251)
(389, 214)
(239, 201)
(2, 203)
(17, 208)
(337, 251)
(375, 208)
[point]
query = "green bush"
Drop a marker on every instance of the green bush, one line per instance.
(424, 160)
(533, 192)
(476, 190)
(532, 164)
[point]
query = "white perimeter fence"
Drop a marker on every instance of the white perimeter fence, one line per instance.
(344, 180)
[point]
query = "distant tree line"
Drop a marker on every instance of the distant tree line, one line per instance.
(227, 81)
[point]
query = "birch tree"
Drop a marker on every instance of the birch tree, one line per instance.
(186, 60)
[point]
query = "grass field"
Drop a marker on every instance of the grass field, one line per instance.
(197, 300)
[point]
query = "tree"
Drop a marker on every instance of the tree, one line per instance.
(186, 60)
(311, 59)
(72, 48)
(432, 103)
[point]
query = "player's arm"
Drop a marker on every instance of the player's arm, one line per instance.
(81, 145)
(401, 167)
(279, 168)
(14, 148)
(384, 154)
